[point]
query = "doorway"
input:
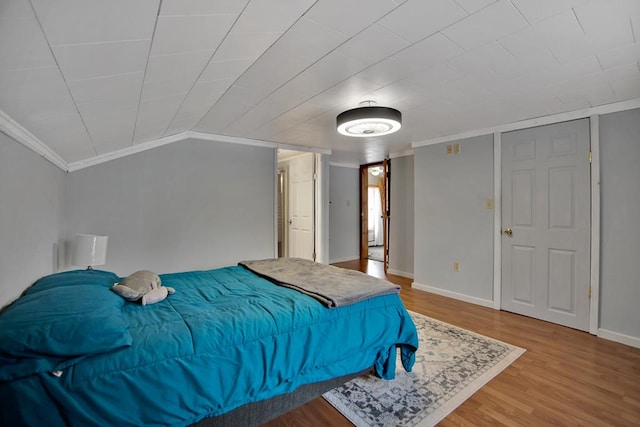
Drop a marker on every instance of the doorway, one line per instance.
(374, 212)
(296, 204)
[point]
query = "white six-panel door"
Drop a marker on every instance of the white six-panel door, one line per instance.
(546, 223)
(301, 207)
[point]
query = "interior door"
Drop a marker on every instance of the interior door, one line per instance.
(301, 207)
(546, 223)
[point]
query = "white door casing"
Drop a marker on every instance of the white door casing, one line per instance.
(546, 204)
(301, 206)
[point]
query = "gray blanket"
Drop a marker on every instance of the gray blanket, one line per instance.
(332, 286)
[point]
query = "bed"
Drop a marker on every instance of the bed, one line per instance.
(74, 353)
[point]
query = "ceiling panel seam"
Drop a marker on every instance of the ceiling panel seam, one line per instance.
(75, 105)
(144, 76)
(244, 72)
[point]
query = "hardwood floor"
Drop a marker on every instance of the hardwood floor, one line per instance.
(566, 377)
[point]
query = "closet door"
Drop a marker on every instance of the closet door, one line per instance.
(546, 223)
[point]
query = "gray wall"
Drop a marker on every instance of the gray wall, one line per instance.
(198, 204)
(344, 214)
(620, 231)
(401, 233)
(32, 193)
(451, 220)
(189, 205)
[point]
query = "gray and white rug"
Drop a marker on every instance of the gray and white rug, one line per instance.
(451, 364)
(376, 253)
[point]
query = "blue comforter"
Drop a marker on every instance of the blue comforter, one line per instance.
(225, 338)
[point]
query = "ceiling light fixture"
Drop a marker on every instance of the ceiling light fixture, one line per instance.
(369, 121)
(376, 170)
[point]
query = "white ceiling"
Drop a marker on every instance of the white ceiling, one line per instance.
(87, 78)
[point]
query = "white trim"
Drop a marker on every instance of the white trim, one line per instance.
(317, 209)
(137, 148)
(618, 337)
(497, 220)
(345, 165)
(304, 148)
(345, 259)
(539, 121)
(133, 149)
(322, 242)
(17, 132)
(255, 142)
(275, 204)
(404, 153)
(594, 312)
(229, 139)
(454, 295)
(400, 273)
(285, 208)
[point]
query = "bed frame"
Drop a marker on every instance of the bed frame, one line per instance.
(257, 413)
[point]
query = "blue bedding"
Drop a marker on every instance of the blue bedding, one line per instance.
(225, 338)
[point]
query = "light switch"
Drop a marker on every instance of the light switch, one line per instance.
(456, 266)
(449, 149)
(456, 148)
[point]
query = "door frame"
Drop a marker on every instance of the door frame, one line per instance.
(594, 274)
(285, 208)
(386, 208)
(320, 198)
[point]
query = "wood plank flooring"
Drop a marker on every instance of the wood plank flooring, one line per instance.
(566, 377)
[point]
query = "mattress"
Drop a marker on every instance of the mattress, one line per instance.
(225, 338)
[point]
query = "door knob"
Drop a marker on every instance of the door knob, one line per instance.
(508, 232)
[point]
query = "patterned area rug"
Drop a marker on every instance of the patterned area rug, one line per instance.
(451, 364)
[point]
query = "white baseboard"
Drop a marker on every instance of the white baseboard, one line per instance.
(454, 295)
(343, 259)
(618, 337)
(400, 273)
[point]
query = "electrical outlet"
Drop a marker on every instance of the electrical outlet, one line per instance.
(449, 149)
(456, 266)
(488, 204)
(456, 148)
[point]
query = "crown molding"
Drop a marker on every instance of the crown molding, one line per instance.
(133, 149)
(255, 142)
(345, 165)
(137, 148)
(539, 121)
(318, 150)
(404, 153)
(230, 139)
(15, 131)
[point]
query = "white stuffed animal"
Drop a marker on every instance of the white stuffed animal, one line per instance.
(143, 285)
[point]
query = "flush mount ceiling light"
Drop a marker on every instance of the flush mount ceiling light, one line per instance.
(376, 170)
(369, 121)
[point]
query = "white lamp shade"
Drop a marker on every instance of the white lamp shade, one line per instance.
(89, 250)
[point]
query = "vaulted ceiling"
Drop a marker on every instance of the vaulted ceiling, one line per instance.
(87, 77)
